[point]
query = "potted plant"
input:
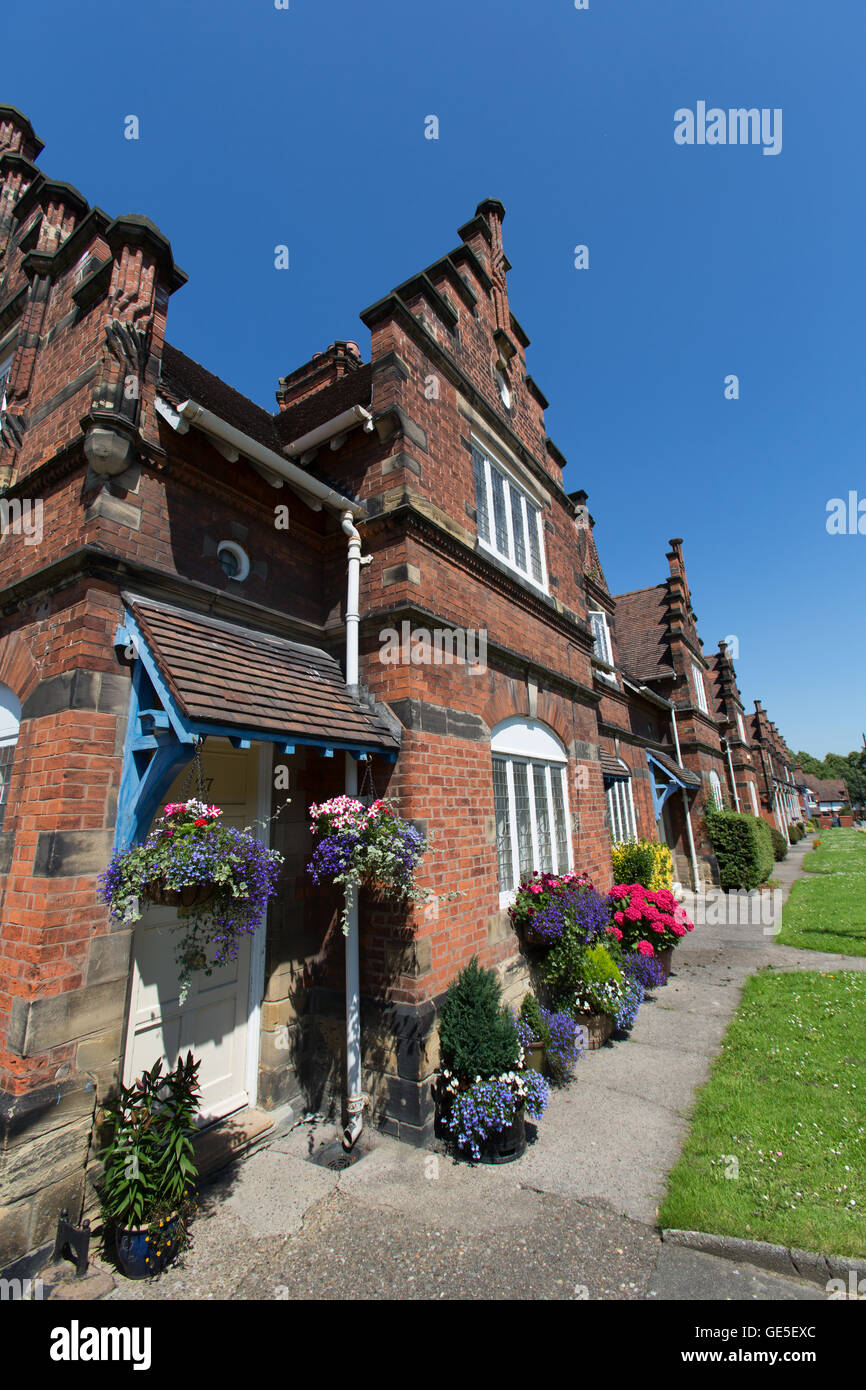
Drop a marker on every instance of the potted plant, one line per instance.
(653, 922)
(149, 1169)
(483, 1094)
(546, 903)
(357, 844)
(551, 1039)
(585, 981)
(219, 878)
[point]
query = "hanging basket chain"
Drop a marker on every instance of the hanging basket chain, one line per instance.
(368, 793)
(194, 770)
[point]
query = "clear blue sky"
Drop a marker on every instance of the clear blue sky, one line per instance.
(305, 126)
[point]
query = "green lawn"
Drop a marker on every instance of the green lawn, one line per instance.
(827, 910)
(777, 1150)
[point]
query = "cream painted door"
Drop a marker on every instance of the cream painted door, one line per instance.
(213, 1021)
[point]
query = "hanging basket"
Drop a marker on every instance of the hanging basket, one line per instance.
(189, 895)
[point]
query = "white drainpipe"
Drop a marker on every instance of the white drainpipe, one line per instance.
(692, 855)
(731, 771)
(354, 1094)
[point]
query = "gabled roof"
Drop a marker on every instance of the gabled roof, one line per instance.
(827, 789)
(183, 379)
(640, 633)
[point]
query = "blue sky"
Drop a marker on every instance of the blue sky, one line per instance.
(305, 127)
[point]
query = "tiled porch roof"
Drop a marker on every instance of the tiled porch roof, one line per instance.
(222, 674)
(612, 766)
(682, 774)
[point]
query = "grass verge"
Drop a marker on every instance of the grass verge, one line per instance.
(777, 1149)
(827, 911)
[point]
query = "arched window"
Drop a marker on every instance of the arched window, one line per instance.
(754, 799)
(531, 798)
(716, 791)
(10, 719)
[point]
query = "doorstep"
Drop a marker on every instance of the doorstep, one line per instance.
(237, 1134)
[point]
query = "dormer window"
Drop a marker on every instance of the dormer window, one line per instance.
(700, 692)
(5, 373)
(509, 521)
(602, 649)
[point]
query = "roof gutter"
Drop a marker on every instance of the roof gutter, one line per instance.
(316, 494)
(333, 431)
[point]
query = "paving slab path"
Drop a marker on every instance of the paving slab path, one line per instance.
(573, 1219)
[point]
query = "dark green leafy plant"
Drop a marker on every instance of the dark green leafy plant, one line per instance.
(780, 844)
(743, 847)
(531, 1015)
(149, 1162)
(477, 1033)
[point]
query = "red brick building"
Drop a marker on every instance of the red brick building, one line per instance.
(178, 563)
(189, 580)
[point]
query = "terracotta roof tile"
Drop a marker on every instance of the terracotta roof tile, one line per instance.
(244, 679)
(640, 633)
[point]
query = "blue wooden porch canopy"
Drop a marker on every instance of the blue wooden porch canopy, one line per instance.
(163, 729)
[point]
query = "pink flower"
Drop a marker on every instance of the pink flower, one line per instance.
(536, 888)
(678, 930)
(632, 914)
(645, 949)
(619, 917)
(615, 931)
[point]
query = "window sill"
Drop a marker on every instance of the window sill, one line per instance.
(510, 569)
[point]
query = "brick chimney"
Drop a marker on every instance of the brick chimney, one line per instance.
(323, 369)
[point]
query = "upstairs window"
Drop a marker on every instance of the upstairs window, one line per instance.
(603, 651)
(740, 726)
(10, 717)
(700, 692)
(753, 797)
(5, 373)
(509, 523)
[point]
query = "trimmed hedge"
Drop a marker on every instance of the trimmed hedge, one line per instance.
(780, 844)
(796, 831)
(743, 847)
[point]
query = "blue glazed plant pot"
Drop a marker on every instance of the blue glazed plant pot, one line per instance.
(144, 1251)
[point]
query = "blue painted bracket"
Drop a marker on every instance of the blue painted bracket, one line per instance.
(673, 784)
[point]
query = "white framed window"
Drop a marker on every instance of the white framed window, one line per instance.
(740, 726)
(10, 720)
(716, 791)
(753, 797)
(603, 650)
(620, 808)
(509, 522)
(700, 692)
(504, 388)
(530, 792)
(5, 373)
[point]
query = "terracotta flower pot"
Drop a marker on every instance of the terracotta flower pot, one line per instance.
(536, 1058)
(598, 1028)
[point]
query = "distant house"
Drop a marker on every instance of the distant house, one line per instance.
(827, 796)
